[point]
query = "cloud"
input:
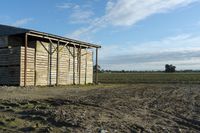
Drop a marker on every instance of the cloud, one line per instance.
(78, 13)
(22, 22)
(129, 12)
(97, 23)
(68, 6)
(81, 16)
(153, 57)
(193, 64)
(181, 50)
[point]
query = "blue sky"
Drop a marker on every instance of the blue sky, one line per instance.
(134, 34)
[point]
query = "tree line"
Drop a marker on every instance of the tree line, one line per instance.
(169, 68)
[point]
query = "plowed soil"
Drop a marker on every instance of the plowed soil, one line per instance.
(103, 108)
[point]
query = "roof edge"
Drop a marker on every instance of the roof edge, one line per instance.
(64, 38)
(18, 30)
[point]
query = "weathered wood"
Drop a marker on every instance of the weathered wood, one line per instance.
(63, 40)
(25, 58)
(45, 47)
(30, 68)
(10, 66)
(86, 60)
(79, 64)
(72, 54)
(35, 61)
(50, 64)
(3, 41)
(15, 41)
(41, 64)
(74, 65)
(69, 64)
(57, 67)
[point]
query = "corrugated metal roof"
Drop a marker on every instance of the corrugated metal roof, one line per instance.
(6, 30)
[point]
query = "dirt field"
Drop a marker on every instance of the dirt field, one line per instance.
(150, 77)
(103, 108)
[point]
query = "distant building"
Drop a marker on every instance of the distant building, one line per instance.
(31, 58)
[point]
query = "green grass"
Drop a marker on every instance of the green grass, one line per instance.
(149, 78)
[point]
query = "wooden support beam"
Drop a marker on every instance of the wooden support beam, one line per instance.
(25, 59)
(86, 66)
(44, 47)
(84, 54)
(55, 49)
(52, 44)
(74, 66)
(63, 46)
(57, 64)
(48, 67)
(70, 51)
(96, 75)
(35, 70)
(50, 64)
(79, 64)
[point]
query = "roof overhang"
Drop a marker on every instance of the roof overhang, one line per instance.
(61, 39)
(6, 30)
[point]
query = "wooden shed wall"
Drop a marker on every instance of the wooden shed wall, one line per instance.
(9, 61)
(30, 78)
(44, 66)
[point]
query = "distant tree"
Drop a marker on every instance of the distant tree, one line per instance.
(170, 68)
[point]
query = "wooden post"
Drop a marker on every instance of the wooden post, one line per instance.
(96, 75)
(74, 66)
(25, 59)
(57, 65)
(86, 67)
(35, 65)
(50, 66)
(79, 65)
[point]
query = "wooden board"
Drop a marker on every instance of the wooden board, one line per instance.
(30, 66)
(42, 66)
(42, 63)
(3, 41)
(10, 66)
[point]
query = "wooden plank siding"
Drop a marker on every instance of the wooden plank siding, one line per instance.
(30, 78)
(3, 41)
(41, 65)
(41, 71)
(9, 66)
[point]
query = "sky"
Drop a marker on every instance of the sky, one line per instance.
(134, 34)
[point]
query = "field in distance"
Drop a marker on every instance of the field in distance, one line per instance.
(154, 77)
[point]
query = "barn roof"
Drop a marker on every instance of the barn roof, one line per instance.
(6, 30)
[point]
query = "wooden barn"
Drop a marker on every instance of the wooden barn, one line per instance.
(33, 58)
